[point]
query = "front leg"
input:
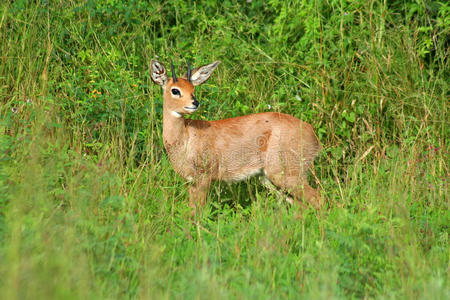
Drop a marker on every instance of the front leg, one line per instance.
(198, 192)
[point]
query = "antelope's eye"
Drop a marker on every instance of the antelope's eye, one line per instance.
(176, 92)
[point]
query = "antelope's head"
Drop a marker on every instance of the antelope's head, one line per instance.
(179, 92)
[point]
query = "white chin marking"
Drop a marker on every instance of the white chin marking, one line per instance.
(190, 110)
(176, 114)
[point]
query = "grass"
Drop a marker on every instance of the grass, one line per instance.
(90, 206)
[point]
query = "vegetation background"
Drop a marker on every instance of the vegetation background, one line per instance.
(91, 208)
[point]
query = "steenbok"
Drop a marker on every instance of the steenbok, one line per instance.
(276, 145)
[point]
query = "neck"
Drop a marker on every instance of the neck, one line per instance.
(174, 130)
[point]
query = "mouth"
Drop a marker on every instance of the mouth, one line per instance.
(190, 108)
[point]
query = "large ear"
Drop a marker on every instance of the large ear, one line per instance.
(201, 74)
(158, 72)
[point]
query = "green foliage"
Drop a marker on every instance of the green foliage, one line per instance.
(90, 206)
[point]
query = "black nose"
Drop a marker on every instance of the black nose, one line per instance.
(195, 103)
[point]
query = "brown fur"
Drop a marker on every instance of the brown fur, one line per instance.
(276, 145)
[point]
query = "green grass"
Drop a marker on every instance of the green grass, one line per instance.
(90, 206)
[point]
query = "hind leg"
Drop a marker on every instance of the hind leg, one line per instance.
(268, 184)
(297, 187)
